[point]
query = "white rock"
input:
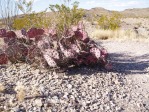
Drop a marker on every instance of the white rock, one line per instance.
(72, 97)
(42, 89)
(83, 93)
(83, 103)
(50, 76)
(38, 102)
(69, 86)
(49, 110)
(54, 73)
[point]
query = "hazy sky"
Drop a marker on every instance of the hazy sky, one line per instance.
(87, 4)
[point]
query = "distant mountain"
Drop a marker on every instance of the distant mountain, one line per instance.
(97, 11)
(136, 12)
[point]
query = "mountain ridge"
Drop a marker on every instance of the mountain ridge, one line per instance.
(132, 12)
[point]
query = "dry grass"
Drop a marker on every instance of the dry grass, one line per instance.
(102, 34)
(117, 34)
(20, 90)
(1, 42)
(2, 87)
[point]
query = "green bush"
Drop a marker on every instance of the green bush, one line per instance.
(110, 22)
(29, 18)
(32, 20)
(65, 17)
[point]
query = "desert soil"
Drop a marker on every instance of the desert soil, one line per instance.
(124, 89)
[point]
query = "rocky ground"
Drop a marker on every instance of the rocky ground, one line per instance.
(139, 25)
(124, 89)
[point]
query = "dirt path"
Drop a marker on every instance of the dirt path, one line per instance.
(129, 56)
(132, 58)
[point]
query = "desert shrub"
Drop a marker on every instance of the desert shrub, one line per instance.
(138, 24)
(114, 34)
(65, 16)
(32, 20)
(110, 22)
(29, 18)
(102, 34)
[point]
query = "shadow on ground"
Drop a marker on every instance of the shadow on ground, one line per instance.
(121, 63)
(130, 64)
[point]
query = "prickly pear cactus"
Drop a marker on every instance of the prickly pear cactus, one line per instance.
(3, 58)
(74, 47)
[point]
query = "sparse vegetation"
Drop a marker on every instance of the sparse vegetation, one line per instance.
(29, 18)
(32, 20)
(111, 22)
(138, 24)
(73, 49)
(20, 90)
(116, 34)
(65, 16)
(2, 88)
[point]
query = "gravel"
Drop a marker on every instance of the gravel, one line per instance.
(124, 89)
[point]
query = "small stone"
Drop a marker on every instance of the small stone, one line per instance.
(38, 102)
(16, 109)
(88, 102)
(11, 102)
(49, 110)
(83, 93)
(36, 72)
(42, 89)
(69, 86)
(50, 76)
(139, 105)
(72, 97)
(34, 108)
(101, 107)
(19, 109)
(107, 107)
(83, 103)
(65, 95)
(55, 76)
(54, 99)
(118, 108)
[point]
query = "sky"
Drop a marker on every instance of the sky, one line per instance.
(118, 5)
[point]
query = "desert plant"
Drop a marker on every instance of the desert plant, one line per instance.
(20, 92)
(138, 24)
(103, 22)
(67, 44)
(2, 88)
(75, 49)
(110, 22)
(25, 6)
(65, 16)
(102, 34)
(8, 12)
(30, 18)
(114, 34)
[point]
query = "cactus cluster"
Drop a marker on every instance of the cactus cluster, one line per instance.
(73, 48)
